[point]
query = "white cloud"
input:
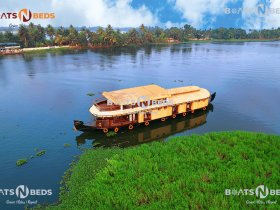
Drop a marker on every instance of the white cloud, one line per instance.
(170, 24)
(273, 20)
(17, 5)
(195, 11)
(101, 13)
(256, 20)
(251, 19)
(120, 13)
(85, 12)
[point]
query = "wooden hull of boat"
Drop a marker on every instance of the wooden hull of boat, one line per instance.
(142, 134)
(80, 126)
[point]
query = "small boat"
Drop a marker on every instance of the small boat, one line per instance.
(127, 108)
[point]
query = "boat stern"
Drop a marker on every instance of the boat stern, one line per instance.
(213, 95)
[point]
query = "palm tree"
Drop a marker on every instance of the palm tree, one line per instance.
(23, 35)
(101, 35)
(73, 35)
(50, 32)
(132, 36)
(110, 35)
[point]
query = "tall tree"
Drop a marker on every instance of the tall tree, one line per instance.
(11, 37)
(73, 36)
(101, 35)
(23, 35)
(50, 32)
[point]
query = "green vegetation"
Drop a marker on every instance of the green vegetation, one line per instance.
(21, 162)
(111, 133)
(67, 145)
(187, 172)
(38, 36)
(40, 153)
(90, 94)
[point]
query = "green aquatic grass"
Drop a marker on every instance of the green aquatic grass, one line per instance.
(21, 162)
(90, 94)
(111, 133)
(40, 153)
(187, 172)
(67, 145)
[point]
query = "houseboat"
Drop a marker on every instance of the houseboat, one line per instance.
(127, 108)
(10, 48)
(143, 134)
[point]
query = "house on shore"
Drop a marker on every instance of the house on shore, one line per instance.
(172, 40)
(9, 48)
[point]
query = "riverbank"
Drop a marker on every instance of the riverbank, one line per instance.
(230, 40)
(186, 172)
(56, 48)
(67, 47)
(46, 49)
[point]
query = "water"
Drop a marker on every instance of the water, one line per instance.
(41, 95)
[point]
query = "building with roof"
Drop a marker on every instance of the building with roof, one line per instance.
(8, 48)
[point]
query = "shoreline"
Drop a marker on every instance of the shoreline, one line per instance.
(185, 171)
(44, 48)
(68, 47)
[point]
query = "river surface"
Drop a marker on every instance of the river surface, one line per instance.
(42, 93)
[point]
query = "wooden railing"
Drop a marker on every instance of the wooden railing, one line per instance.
(106, 107)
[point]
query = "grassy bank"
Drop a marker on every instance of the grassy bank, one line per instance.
(43, 50)
(231, 40)
(188, 172)
(67, 48)
(244, 40)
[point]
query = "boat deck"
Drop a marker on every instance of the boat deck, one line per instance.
(176, 99)
(103, 106)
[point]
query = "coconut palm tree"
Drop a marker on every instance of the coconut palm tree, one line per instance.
(50, 32)
(23, 35)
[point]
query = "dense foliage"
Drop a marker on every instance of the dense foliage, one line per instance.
(36, 35)
(187, 172)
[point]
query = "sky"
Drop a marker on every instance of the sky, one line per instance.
(202, 14)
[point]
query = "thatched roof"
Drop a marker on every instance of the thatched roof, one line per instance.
(151, 92)
(142, 93)
(181, 90)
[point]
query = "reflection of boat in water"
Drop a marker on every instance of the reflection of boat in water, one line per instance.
(144, 104)
(143, 134)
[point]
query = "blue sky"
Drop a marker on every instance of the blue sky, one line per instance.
(165, 13)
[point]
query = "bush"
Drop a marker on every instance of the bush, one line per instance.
(111, 133)
(21, 162)
(187, 172)
(40, 153)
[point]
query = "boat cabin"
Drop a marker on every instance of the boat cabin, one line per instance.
(131, 106)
